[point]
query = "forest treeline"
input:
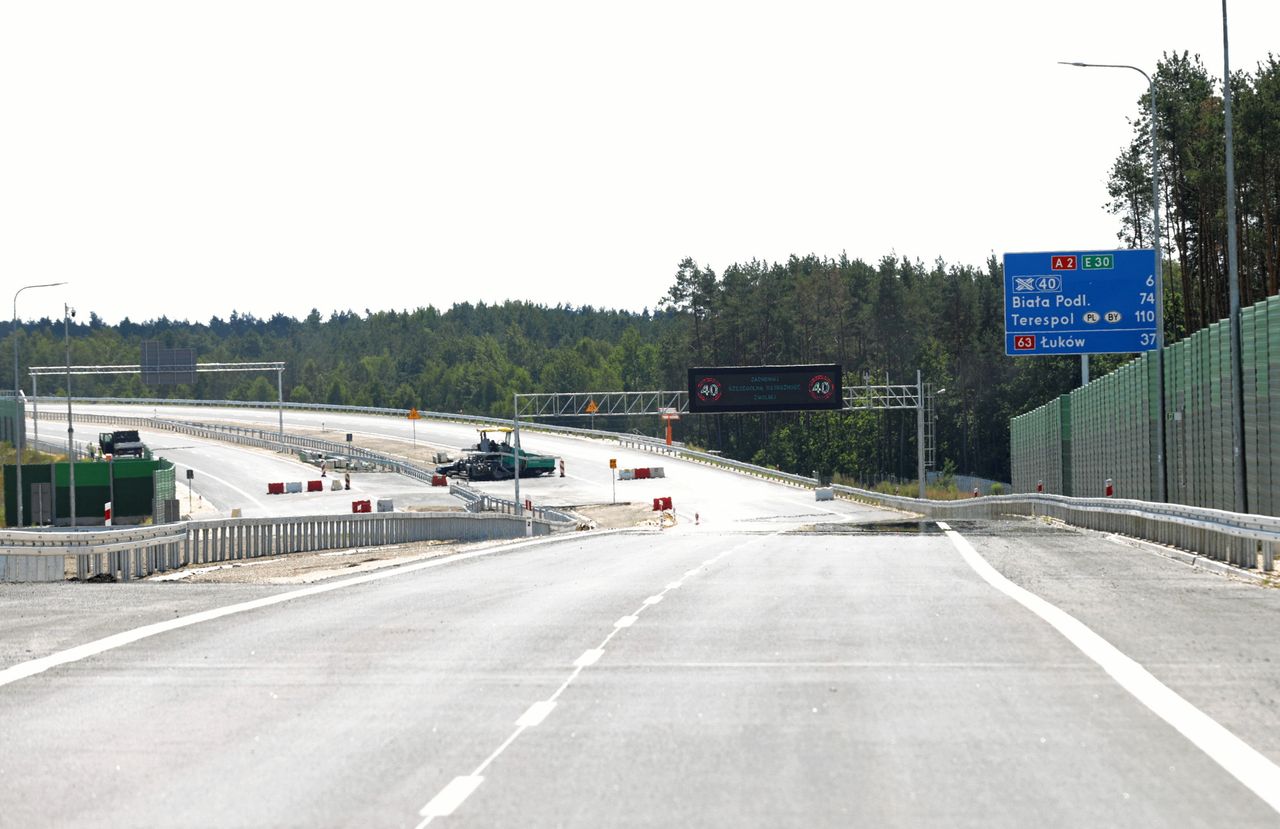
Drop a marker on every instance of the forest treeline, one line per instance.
(882, 322)
(1190, 139)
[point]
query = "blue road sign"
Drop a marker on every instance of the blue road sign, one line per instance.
(1080, 302)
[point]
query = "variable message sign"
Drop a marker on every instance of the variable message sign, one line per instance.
(163, 366)
(765, 388)
(1080, 302)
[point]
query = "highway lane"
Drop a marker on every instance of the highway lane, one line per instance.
(796, 679)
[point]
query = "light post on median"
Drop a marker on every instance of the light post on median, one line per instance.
(18, 417)
(67, 313)
(1161, 493)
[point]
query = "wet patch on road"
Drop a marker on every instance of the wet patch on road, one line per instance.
(1003, 528)
(895, 527)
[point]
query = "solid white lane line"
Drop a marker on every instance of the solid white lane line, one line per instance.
(588, 658)
(942, 525)
(695, 571)
(653, 599)
(30, 668)
(227, 484)
(625, 622)
(536, 713)
(451, 796)
(1235, 756)
(675, 585)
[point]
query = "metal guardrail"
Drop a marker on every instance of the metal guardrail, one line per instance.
(127, 553)
(446, 417)
(481, 502)
(1245, 540)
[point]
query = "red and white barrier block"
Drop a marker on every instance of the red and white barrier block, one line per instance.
(641, 473)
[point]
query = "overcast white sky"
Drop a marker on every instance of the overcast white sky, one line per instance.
(191, 159)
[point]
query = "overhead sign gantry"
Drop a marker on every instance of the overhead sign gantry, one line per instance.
(727, 389)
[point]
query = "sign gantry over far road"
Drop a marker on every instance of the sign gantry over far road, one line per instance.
(1080, 302)
(765, 388)
(727, 389)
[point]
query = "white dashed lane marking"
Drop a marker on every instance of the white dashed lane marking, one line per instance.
(536, 713)
(452, 795)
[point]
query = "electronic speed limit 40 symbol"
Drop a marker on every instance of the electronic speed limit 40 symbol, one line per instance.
(709, 390)
(821, 387)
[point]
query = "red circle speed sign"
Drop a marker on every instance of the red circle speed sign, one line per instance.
(709, 389)
(821, 387)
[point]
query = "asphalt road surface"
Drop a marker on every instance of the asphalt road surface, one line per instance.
(776, 665)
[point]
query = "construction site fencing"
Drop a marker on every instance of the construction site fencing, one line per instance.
(127, 553)
(1107, 429)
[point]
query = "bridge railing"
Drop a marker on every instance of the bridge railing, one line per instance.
(126, 553)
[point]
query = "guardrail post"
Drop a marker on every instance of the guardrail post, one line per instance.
(1268, 556)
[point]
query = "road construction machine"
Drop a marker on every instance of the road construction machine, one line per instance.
(493, 458)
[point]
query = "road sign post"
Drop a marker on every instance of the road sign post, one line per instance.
(1080, 302)
(414, 417)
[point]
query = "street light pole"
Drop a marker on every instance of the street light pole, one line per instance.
(1233, 286)
(18, 417)
(67, 313)
(1161, 490)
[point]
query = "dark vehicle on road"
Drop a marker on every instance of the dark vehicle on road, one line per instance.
(121, 444)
